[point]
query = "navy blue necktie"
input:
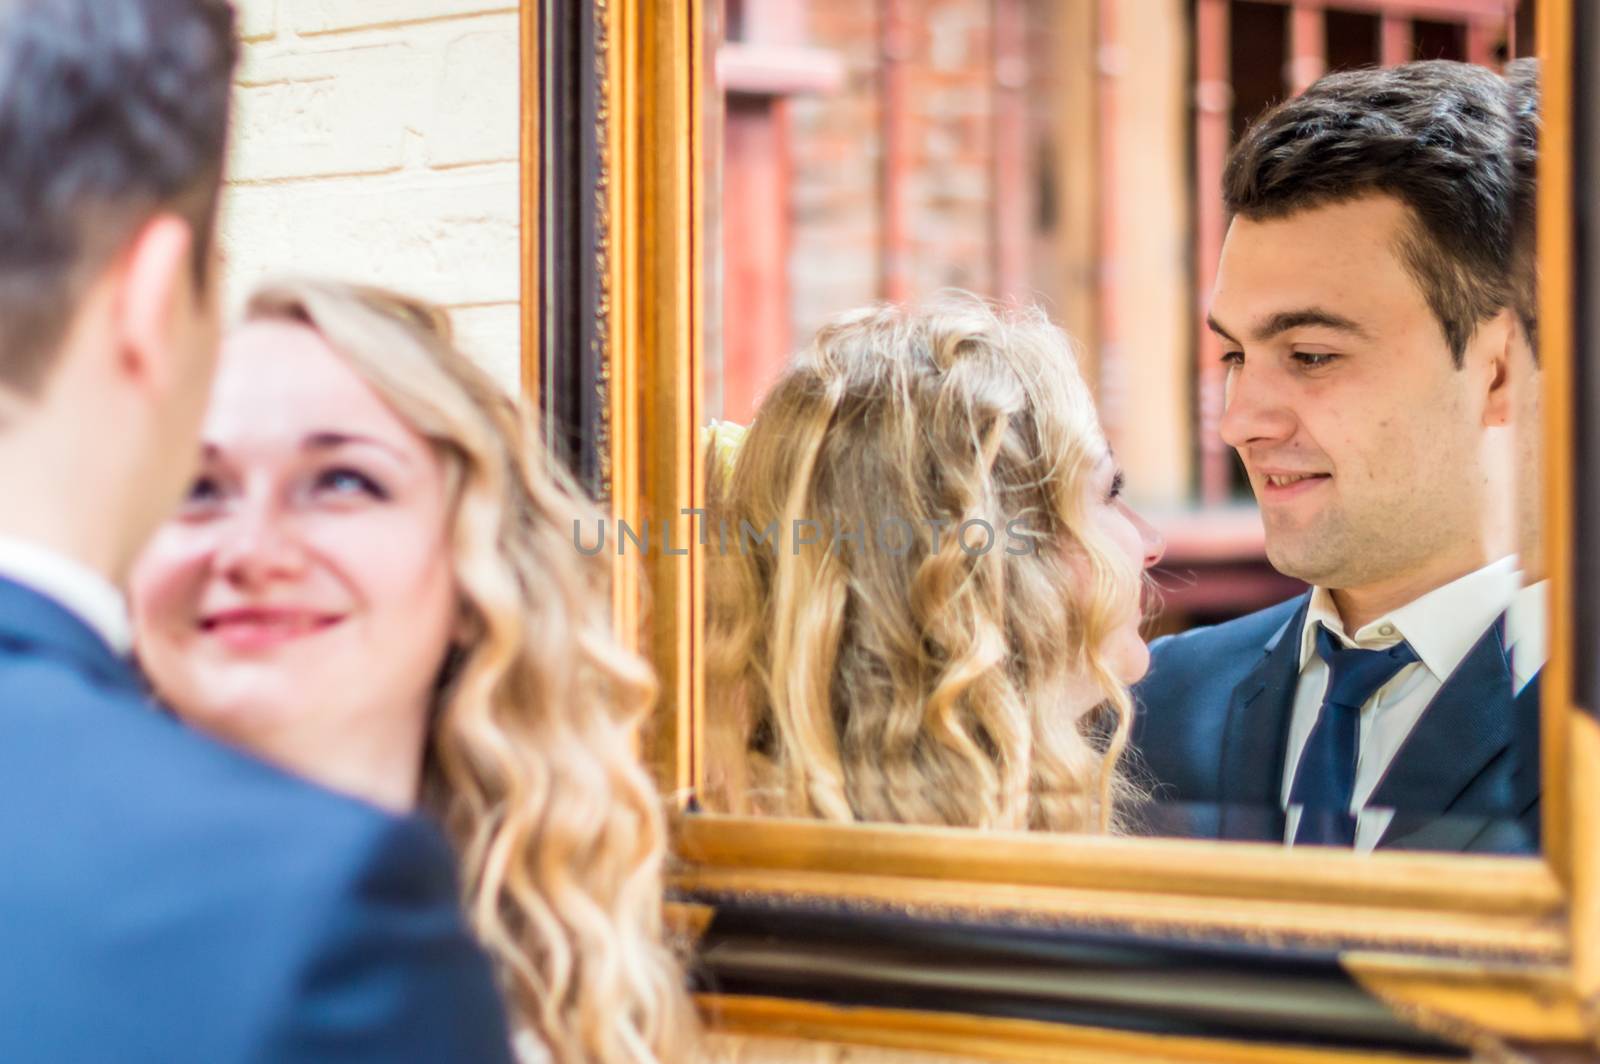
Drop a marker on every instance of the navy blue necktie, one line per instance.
(1325, 778)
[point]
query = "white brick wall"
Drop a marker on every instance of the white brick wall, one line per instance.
(377, 140)
(331, 16)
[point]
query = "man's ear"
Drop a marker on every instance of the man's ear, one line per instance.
(1501, 338)
(157, 279)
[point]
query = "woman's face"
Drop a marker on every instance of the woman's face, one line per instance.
(301, 601)
(1126, 652)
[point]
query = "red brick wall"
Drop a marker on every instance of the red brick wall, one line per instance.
(836, 151)
(835, 257)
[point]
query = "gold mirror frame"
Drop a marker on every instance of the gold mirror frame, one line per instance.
(1485, 952)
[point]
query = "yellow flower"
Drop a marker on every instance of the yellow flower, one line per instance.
(722, 440)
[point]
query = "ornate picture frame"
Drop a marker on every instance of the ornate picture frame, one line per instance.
(1029, 947)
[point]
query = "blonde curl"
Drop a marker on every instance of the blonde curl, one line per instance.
(941, 684)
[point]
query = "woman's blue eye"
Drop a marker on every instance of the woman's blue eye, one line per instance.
(1118, 482)
(206, 498)
(203, 489)
(347, 481)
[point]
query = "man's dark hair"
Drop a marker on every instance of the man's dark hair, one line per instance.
(1522, 84)
(111, 111)
(1444, 139)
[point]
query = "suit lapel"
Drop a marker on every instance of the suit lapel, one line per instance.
(1459, 757)
(1512, 829)
(1527, 777)
(1257, 734)
(36, 622)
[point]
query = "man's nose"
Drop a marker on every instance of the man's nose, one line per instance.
(1253, 410)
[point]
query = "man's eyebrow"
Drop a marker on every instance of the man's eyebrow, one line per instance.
(1285, 320)
(1215, 326)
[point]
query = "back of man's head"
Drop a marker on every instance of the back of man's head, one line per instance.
(111, 111)
(1522, 86)
(1449, 140)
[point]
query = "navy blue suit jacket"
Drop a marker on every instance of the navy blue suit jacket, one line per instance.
(164, 899)
(1211, 732)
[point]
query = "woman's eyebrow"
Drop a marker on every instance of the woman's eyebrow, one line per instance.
(328, 440)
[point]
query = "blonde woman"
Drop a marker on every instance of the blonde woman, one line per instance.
(372, 583)
(925, 591)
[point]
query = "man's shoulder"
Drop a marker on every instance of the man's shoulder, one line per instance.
(102, 764)
(1214, 643)
(1182, 702)
(147, 866)
(1202, 664)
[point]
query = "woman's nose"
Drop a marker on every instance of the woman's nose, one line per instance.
(259, 545)
(1155, 544)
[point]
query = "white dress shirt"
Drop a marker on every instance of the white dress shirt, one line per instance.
(80, 590)
(1442, 627)
(1526, 639)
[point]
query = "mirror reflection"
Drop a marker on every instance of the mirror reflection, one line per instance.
(1090, 448)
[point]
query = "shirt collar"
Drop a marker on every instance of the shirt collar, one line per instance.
(85, 593)
(1442, 626)
(1527, 641)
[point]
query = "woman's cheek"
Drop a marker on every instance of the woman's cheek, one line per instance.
(1135, 657)
(166, 584)
(394, 563)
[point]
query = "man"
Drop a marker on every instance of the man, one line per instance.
(1374, 301)
(162, 899)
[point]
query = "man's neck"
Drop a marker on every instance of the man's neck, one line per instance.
(69, 454)
(67, 510)
(1360, 606)
(58, 537)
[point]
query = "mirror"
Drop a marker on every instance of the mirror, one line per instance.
(936, 543)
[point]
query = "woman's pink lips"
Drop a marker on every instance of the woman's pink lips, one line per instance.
(261, 629)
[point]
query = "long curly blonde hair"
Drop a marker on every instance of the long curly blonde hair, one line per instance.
(530, 761)
(906, 674)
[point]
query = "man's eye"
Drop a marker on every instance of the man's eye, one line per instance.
(1313, 359)
(1233, 358)
(344, 482)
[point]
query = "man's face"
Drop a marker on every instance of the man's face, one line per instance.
(1363, 441)
(194, 335)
